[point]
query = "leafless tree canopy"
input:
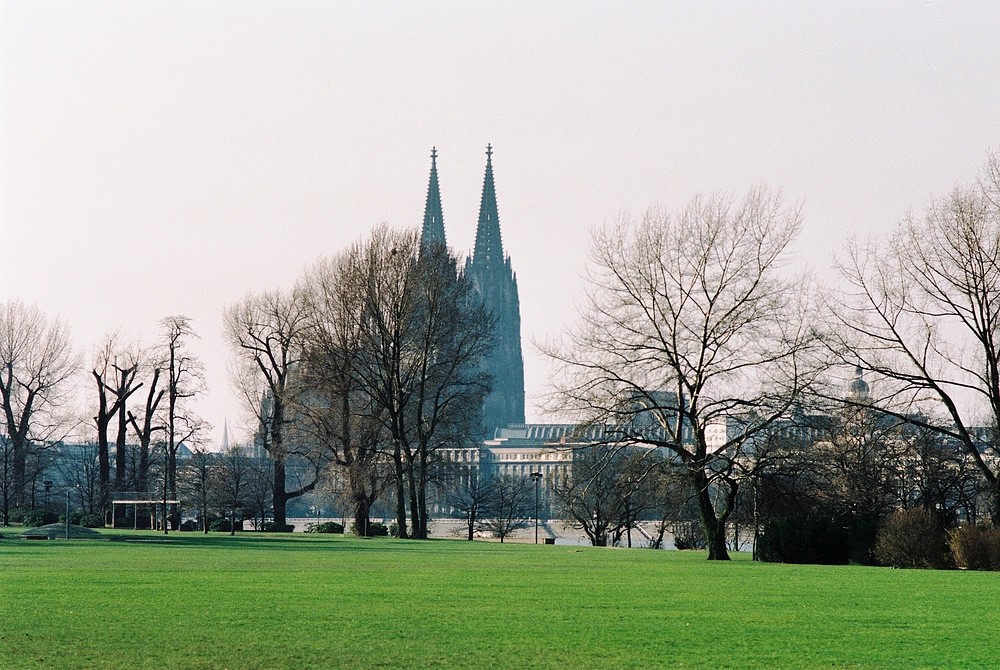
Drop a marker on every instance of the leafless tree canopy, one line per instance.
(266, 333)
(689, 321)
(37, 363)
(396, 343)
(923, 311)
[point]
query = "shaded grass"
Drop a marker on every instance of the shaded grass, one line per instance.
(281, 601)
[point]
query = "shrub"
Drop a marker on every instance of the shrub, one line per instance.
(689, 535)
(38, 517)
(85, 520)
(975, 547)
(90, 520)
(220, 526)
(912, 538)
(273, 527)
(16, 514)
(816, 537)
(375, 529)
(394, 529)
(189, 525)
(327, 527)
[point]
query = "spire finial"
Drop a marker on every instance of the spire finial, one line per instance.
(489, 152)
(434, 155)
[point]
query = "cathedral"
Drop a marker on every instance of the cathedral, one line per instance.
(496, 283)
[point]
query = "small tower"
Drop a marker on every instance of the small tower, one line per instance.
(857, 390)
(433, 230)
(496, 283)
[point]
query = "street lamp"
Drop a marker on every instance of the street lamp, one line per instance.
(537, 477)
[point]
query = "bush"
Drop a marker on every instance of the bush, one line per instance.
(16, 514)
(38, 517)
(90, 520)
(220, 526)
(326, 527)
(975, 547)
(375, 529)
(689, 535)
(272, 527)
(85, 520)
(394, 529)
(816, 537)
(912, 538)
(189, 525)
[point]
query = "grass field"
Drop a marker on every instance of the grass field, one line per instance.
(190, 601)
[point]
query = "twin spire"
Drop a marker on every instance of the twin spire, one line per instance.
(433, 232)
(489, 246)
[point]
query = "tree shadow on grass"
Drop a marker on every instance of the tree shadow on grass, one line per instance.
(269, 542)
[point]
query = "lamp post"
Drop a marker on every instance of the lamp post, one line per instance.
(48, 487)
(537, 477)
(67, 514)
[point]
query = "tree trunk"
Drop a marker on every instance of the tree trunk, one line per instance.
(422, 493)
(715, 530)
(19, 455)
(361, 511)
(362, 504)
(397, 459)
(414, 509)
(120, 461)
(279, 494)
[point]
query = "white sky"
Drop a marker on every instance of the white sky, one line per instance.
(167, 158)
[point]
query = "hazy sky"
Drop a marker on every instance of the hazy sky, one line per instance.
(167, 158)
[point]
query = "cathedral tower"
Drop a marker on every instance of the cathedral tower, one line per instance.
(433, 230)
(497, 284)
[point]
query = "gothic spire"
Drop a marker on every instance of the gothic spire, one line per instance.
(489, 247)
(433, 231)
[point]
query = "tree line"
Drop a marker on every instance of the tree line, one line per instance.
(716, 369)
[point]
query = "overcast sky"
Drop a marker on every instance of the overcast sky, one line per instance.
(168, 158)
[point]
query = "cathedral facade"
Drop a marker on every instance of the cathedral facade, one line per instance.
(495, 281)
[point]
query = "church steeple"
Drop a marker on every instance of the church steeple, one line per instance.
(489, 246)
(497, 286)
(433, 231)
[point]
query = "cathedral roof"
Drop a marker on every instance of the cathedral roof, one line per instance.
(433, 231)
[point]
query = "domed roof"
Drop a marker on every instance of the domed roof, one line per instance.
(858, 388)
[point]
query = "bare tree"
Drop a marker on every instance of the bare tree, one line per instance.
(36, 364)
(79, 470)
(425, 337)
(185, 379)
(923, 314)
(338, 410)
(198, 479)
(260, 490)
(691, 330)
(508, 509)
(233, 475)
(470, 495)
(607, 491)
(266, 334)
(114, 370)
(147, 425)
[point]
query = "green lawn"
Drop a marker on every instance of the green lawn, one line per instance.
(190, 601)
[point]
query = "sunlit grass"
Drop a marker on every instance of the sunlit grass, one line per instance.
(190, 601)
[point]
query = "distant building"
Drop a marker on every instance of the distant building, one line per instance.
(496, 283)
